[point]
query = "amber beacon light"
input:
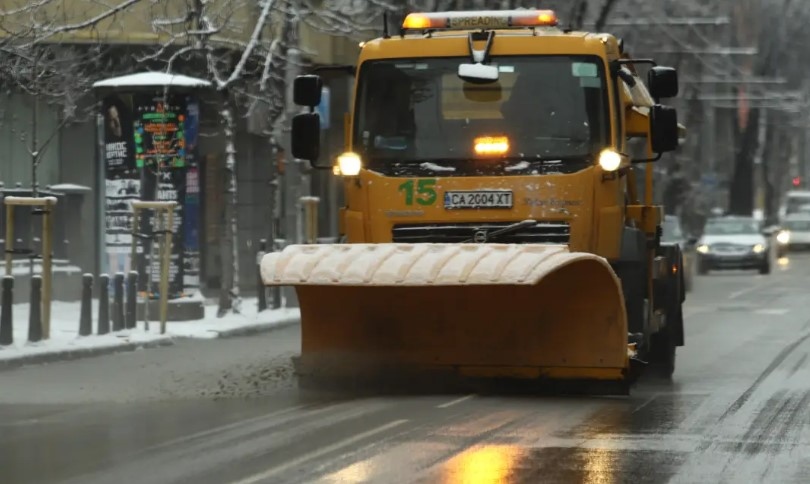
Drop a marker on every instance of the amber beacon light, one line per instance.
(483, 19)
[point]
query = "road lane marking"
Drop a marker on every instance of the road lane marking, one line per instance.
(319, 453)
(743, 292)
(454, 402)
(225, 428)
(772, 312)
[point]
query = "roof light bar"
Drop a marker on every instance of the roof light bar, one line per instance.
(490, 19)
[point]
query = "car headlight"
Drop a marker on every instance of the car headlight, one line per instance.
(703, 249)
(783, 237)
(348, 164)
(758, 249)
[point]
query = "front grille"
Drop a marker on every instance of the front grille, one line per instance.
(542, 233)
(727, 247)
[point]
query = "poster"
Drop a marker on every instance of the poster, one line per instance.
(118, 140)
(146, 157)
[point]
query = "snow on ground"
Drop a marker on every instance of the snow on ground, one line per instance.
(65, 328)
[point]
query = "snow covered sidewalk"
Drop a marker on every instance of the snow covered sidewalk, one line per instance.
(65, 342)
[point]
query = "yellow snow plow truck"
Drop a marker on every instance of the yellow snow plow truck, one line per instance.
(493, 226)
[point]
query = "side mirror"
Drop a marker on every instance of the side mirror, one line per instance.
(307, 90)
(306, 137)
(663, 128)
(662, 82)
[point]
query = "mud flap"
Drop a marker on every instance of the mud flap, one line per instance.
(476, 310)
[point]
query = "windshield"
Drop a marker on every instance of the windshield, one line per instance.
(419, 115)
(672, 229)
(798, 225)
(732, 227)
(797, 204)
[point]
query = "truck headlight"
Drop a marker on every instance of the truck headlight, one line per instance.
(783, 237)
(348, 164)
(703, 249)
(609, 160)
(758, 249)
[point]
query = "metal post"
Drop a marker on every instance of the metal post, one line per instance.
(164, 269)
(9, 237)
(35, 314)
(104, 304)
(47, 265)
(132, 300)
(118, 302)
(6, 323)
(85, 315)
(310, 206)
(260, 288)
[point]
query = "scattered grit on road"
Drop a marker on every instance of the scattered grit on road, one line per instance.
(229, 411)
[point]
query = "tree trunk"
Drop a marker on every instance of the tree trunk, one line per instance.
(229, 290)
(741, 196)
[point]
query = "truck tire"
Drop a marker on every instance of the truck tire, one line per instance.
(662, 356)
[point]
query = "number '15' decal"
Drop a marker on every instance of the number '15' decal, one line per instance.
(425, 191)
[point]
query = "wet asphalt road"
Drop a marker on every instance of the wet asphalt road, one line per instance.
(228, 411)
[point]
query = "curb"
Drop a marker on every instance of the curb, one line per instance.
(79, 354)
(258, 328)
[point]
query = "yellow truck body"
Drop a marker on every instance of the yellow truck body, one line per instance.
(476, 239)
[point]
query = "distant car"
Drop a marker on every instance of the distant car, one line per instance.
(672, 234)
(734, 243)
(795, 233)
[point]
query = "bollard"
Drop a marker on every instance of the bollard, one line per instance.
(35, 315)
(132, 300)
(103, 304)
(118, 302)
(86, 312)
(260, 289)
(6, 325)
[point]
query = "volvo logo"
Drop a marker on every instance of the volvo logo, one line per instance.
(480, 236)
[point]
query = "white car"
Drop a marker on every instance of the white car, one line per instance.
(796, 232)
(733, 243)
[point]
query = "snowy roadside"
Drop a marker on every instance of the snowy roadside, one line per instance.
(65, 342)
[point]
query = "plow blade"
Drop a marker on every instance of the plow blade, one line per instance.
(475, 310)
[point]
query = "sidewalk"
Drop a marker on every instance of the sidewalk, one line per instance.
(65, 342)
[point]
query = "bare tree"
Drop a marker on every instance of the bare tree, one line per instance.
(54, 75)
(50, 72)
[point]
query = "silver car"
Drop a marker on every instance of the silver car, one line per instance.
(796, 232)
(734, 243)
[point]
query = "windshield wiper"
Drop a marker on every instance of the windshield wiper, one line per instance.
(504, 231)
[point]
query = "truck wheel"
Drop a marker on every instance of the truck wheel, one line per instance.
(662, 354)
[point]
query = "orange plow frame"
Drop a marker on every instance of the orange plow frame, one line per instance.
(480, 310)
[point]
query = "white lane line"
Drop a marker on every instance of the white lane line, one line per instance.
(225, 428)
(454, 402)
(772, 312)
(743, 292)
(319, 453)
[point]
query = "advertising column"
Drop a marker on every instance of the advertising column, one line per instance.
(150, 153)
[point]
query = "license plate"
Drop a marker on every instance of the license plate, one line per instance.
(478, 199)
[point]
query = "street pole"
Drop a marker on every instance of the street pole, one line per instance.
(292, 189)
